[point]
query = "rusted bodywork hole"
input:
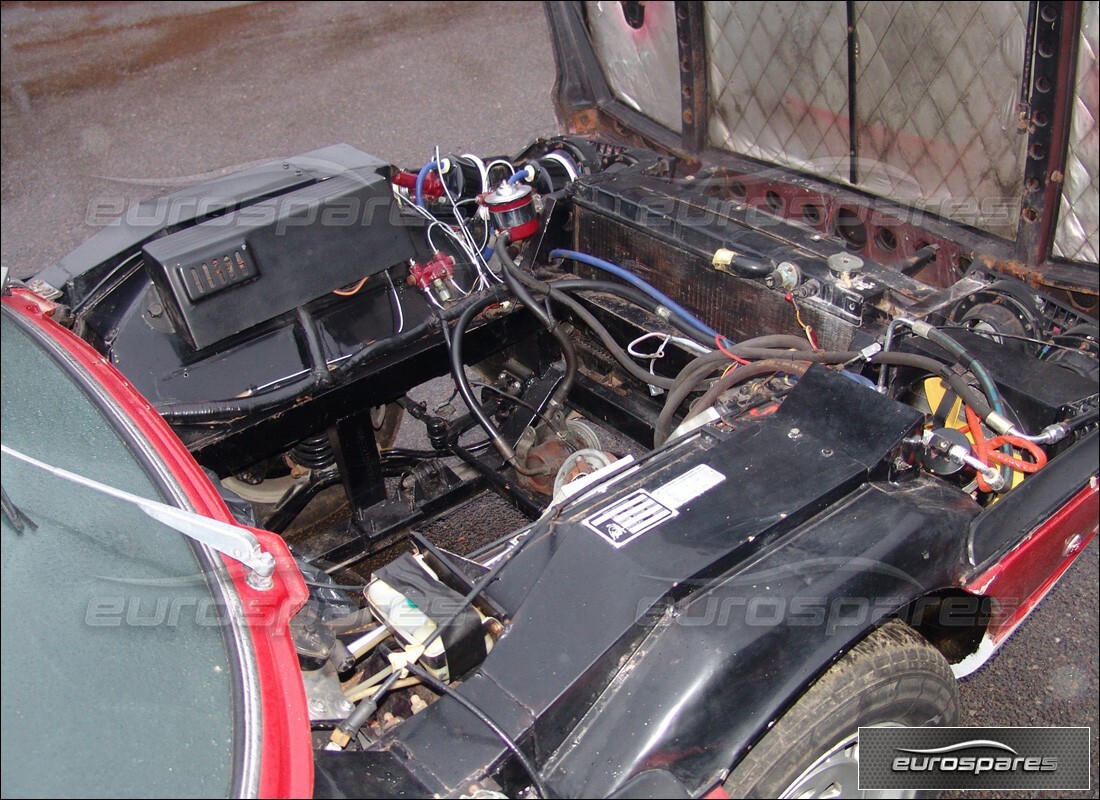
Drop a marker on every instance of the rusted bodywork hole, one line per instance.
(886, 239)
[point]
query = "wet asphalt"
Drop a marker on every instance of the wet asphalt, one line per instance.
(116, 101)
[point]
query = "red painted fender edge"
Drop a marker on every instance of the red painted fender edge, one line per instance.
(286, 755)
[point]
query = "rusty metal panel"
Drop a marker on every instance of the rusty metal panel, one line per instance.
(1077, 236)
(937, 90)
(642, 65)
(778, 83)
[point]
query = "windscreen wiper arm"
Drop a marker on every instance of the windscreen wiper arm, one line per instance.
(14, 514)
(229, 540)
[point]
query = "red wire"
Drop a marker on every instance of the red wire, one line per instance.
(725, 352)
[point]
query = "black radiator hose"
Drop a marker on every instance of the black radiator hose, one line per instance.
(556, 403)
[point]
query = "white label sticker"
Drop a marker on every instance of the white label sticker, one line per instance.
(629, 518)
(680, 491)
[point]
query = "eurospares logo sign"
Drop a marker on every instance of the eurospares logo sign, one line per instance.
(974, 758)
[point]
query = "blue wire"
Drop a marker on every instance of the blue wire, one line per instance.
(634, 280)
(518, 175)
(420, 176)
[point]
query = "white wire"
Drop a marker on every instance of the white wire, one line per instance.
(666, 337)
(479, 261)
(485, 234)
(462, 292)
(459, 241)
(397, 300)
(500, 161)
(435, 221)
(659, 353)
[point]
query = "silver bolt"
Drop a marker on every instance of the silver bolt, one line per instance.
(794, 433)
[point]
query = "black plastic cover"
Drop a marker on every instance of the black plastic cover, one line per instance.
(227, 274)
(853, 418)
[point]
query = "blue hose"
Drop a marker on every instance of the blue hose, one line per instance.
(420, 176)
(634, 280)
(518, 176)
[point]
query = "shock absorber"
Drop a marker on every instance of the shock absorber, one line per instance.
(313, 452)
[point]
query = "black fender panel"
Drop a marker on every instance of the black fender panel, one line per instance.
(718, 669)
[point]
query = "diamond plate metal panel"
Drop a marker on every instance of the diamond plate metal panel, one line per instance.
(778, 83)
(1077, 236)
(642, 65)
(937, 88)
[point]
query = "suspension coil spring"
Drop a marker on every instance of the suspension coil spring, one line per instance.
(314, 452)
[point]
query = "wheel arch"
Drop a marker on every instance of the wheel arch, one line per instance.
(713, 676)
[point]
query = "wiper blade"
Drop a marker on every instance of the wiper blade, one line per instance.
(14, 514)
(229, 540)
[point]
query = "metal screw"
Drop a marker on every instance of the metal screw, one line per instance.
(827, 453)
(794, 433)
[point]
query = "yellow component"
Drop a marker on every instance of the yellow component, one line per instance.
(934, 391)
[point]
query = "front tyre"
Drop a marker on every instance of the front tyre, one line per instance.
(893, 677)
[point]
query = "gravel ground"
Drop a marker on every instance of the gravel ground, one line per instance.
(127, 101)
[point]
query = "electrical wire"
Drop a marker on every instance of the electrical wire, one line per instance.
(396, 305)
(806, 329)
(362, 692)
(352, 291)
(741, 374)
(441, 688)
(500, 162)
(553, 292)
(722, 347)
(361, 713)
(1015, 337)
(634, 280)
(480, 264)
